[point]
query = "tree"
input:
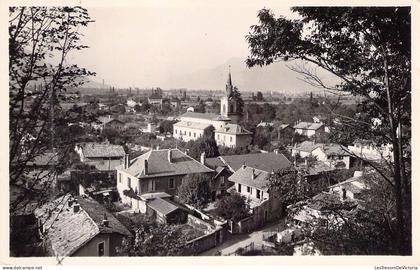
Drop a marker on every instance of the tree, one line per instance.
(201, 107)
(206, 144)
(233, 207)
(195, 190)
(40, 39)
(368, 49)
(260, 96)
(153, 239)
(166, 126)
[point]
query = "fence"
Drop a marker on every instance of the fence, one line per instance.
(264, 249)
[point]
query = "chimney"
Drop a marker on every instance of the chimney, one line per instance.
(126, 161)
(306, 162)
(276, 151)
(70, 202)
(105, 221)
(157, 147)
(344, 192)
(76, 208)
(358, 174)
(253, 174)
(203, 158)
(170, 156)
(187, 151)
(146, 167)
(243, 165)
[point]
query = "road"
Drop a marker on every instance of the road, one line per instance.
(233, 242)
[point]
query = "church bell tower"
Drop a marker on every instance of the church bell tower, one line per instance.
(229, 102)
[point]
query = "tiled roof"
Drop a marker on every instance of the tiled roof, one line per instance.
(244, 176)
(263, 161)
(159, 165)
(233, 129)
(308, 125)
(190, 124)
(214, 162)
(328, 201)
(354, 184)
(68, 231)
(96, 211)
(307, 146)
(317, 168)
(96, 150)
(162, 206)
(106, 120)
(208, 116)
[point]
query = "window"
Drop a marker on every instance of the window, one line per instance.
(101, 249)
(239, 188)
(176, 131)
(194, 134)
(231, 137)
(119, 177)
(171, 184)
(222, 181)
(129, 182)
(189, 133)
(249, 190)
(258, 194)
(218, 136)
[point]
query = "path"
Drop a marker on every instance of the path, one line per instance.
(233, 242)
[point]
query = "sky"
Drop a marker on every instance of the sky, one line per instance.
(144, 46)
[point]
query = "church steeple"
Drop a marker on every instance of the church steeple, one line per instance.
(229, 86)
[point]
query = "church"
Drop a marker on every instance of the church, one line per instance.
(227, 130)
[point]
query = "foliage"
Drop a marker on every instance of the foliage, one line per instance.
(166, 126)
(205, 144)
(195, 190)
(368, 49)
(233, 207)
(40, 39)
(153, 239)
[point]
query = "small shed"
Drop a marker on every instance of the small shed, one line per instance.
(165, 211)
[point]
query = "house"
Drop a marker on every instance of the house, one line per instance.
(265, 124)
(79, 226)
(227, 132)
(108, 122)
(369, 150)
(334, 155)
(219, 184)
(131, 103)
(251, 179)
(104, 156)
(304, 149)
(157, 173)
(352, 188)
(155, 99)
(309, 129)
(233, 135)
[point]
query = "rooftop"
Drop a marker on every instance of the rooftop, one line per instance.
(251, 177)
(267, 162)
(193, 125)
(97, 150)
(162, 206)
(207, 116)
(233, 129)
(159, 165)
(307, 146)
(105, 120)
(308, 125)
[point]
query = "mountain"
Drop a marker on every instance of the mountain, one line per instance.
(275, 77)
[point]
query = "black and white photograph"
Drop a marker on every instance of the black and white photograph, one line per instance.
(209, 130)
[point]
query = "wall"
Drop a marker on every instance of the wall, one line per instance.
(91, 247)
(253, 192)
(104, 164)
(184, 133)
(122, 184)
(192, 220)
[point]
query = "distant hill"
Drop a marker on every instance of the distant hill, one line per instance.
(275, 77)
